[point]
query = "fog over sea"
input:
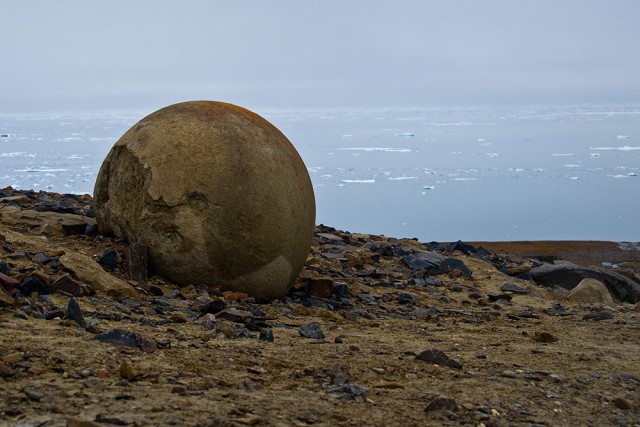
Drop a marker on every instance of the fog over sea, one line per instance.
(443, 174)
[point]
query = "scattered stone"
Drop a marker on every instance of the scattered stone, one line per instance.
(5, 370)
(545, 337)
(5, 298)
(4, 267)
(75, 313)
(321, 287)
(513, 288)
(130, 371)
(451, 265)
(69, 285)
(622, 403)
(441, 403)
(231, 330)
(127, 339)
(108, 260)
(235, 315)
(438, 357)
(137, 257)
(598, 315)
(266, 334)
(311, 330)
(591, 291)
(32, 284)
(214, 306)
(208, 321)
(77, 422)
(340, 290)
(350, 392)
(90, 272)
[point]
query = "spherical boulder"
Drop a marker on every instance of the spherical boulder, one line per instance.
(217, 193)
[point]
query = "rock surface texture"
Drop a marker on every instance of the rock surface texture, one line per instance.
(217, 193)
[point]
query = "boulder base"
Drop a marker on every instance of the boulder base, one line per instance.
(217, 194)
(591, 291)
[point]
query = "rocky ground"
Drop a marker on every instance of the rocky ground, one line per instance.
(377, 331)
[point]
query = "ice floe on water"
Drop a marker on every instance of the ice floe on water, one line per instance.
(562, 154)
(401, 178)
(374, 149)
(17, 154)
(358, 181)
(623, 148)
(405, 135)
(622, 136)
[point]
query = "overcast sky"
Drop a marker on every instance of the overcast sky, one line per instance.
(125, 54)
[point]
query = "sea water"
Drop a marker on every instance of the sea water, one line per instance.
(443, 174)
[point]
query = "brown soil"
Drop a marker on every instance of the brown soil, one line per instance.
(522, 363)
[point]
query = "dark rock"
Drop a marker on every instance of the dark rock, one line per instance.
(350, 392)
(441, 403)
(513, 288)
(321, 287)
(126, 339)
(622, 403)
(41, 258)
(75, 313)
(49, 206)
(428, 261)
(8, 282)
(66, 283)
(208, 321)
(91, 230)
(156, 291)
(73, 228)
(235, 315)
(407, 299)
(451, 264)
(340, 290)
(438, 357)
(568, 276)
(33, 284)
(598, 315)
(266, 334)
(214, 306)
(137, 257)
(311, 330)
(4, 267)
(494, 297)
(108, 260)
(545, 337)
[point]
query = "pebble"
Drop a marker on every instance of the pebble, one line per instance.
(438, 357)
(266, 334)
(622, 403)
(75, 313)
(513, 288)
(311, 330)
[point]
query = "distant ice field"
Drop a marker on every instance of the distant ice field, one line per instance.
(521, 173)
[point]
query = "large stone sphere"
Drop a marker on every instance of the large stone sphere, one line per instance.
(217, 193)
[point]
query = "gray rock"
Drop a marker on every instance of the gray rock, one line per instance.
(568, 276)
(311, 330)
(439, 358)
(217, 193)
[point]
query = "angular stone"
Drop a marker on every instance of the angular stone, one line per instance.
(90, 272)
(217, 193)
(137, 257)
(513, 288)
(321, 287)
(591, 291)
(75, 313)
(66, 283)
(5, 298)
(439, 358)
(8, 282)
(451, 264)
(311, 330)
